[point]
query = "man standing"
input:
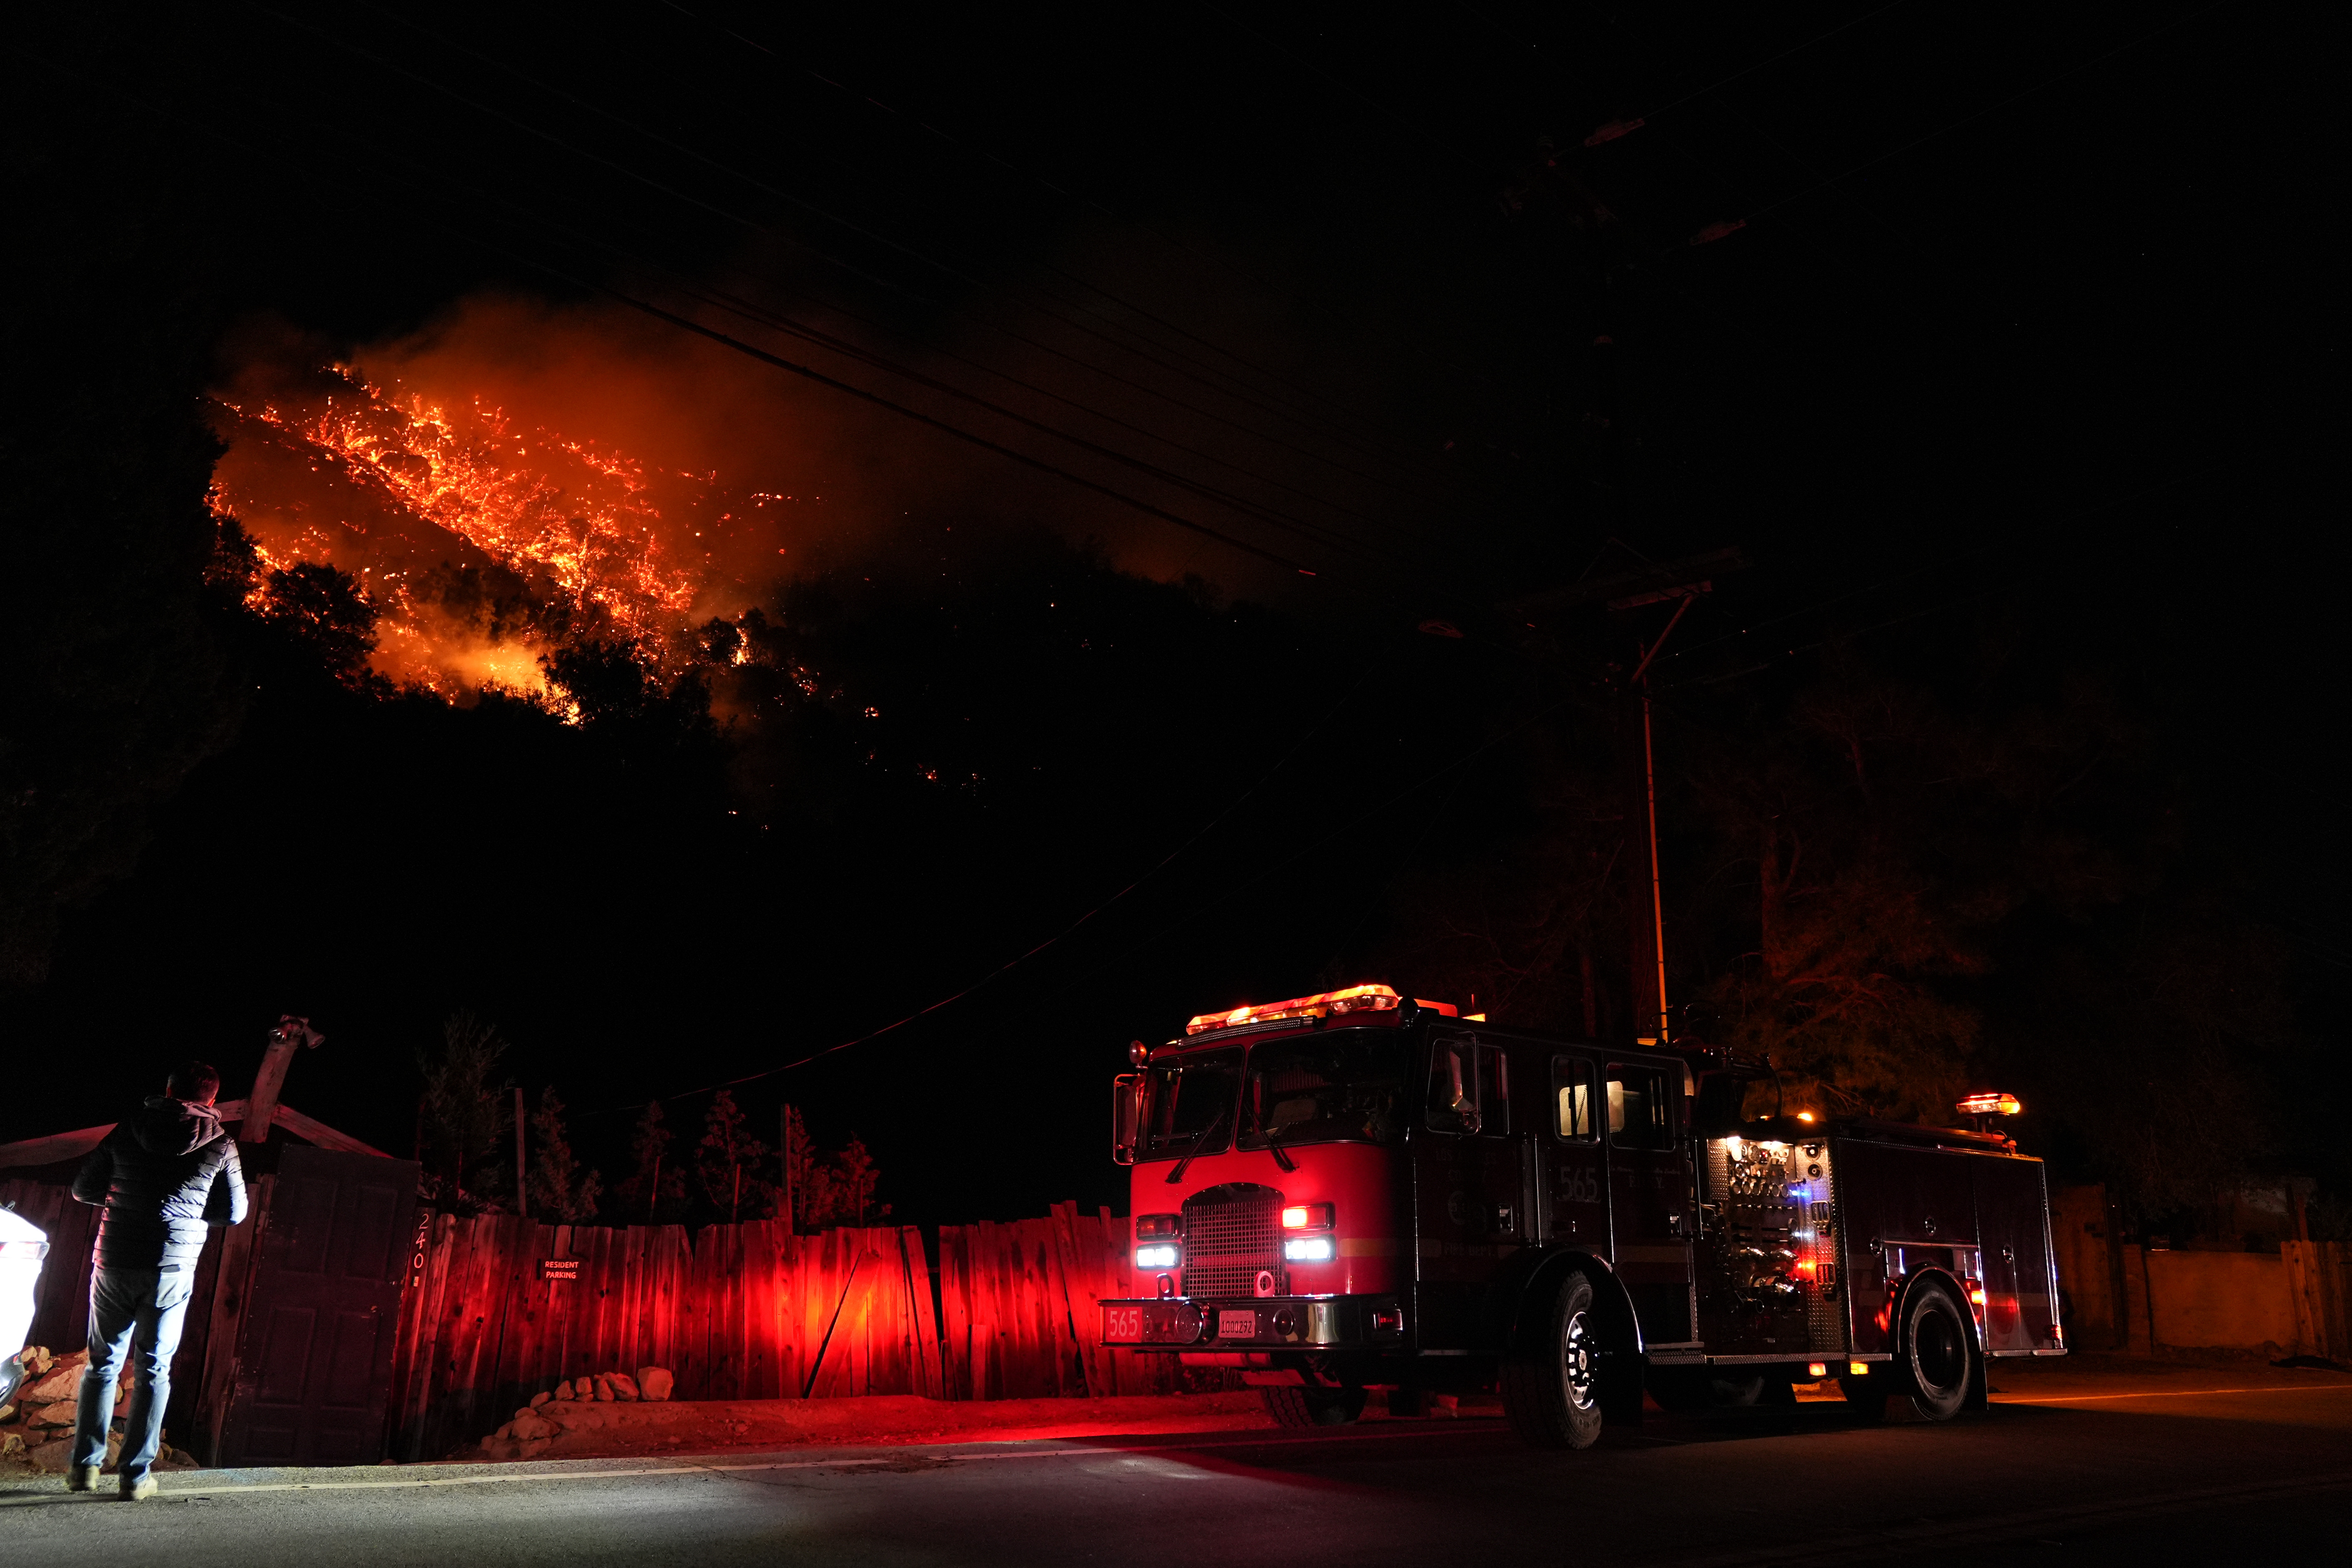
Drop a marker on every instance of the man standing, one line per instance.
(164, 1174)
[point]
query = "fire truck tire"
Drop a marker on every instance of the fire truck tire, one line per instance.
(1938, 1353)
(1552, 1385)
(1313, 1407)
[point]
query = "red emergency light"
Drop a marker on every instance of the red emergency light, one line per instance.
(1991, 1105)
(1322, 1004)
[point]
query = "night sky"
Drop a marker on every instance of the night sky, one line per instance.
(1995, 342)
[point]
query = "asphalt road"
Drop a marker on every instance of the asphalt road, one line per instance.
(2066, 1467)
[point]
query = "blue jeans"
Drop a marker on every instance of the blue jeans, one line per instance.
(141, 1311)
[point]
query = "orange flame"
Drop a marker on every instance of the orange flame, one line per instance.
(425, 490)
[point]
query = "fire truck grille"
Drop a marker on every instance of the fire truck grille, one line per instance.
(1231, 1233)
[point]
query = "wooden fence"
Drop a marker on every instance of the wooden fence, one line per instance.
(735, 1311)
(747, 1312)
(1017, 1309)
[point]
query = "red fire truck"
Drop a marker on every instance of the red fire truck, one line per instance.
(1357, 1191)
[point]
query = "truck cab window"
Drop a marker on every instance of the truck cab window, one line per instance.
(1183, 1099)
(1572, 1079)
(1469, 1088)
(1641, 1116)
(1342, 1085)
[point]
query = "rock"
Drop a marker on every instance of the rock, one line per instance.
(539, 1399)
(7, 1414)
(50, 1458)
(604, 1389)
(624, 1387)
(63, 1382)
(530, 1428)
(58, 1415)
(563, 1390)
(654, 1382)
(584, 1388)
(12, 1447)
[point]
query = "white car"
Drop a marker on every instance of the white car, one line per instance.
(23, 1246)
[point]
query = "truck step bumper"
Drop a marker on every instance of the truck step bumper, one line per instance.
(1263, 1322)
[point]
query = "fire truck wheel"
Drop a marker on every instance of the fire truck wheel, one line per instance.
(1313, 1407)
(1937, 1353)
(1551, 1385)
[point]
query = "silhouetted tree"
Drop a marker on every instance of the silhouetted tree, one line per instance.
(729, 1163)
(560, 1191)
(653, 1192)
(461, 1116)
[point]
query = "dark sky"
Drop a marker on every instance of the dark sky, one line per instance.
(2025, 308)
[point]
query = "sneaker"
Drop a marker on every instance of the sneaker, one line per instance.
(139, 1490)
(82, 1479)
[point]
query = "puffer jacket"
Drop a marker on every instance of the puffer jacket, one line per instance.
(164, 1174)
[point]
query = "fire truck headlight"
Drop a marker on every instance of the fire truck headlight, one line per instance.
(1155, 1256)
(1307, 1249)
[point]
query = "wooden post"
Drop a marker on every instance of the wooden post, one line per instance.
(784, 1158)
(261, 1105)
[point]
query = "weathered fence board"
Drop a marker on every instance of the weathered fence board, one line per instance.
(746, 1311)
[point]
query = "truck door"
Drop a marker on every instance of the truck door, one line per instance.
(1471, 1210)
(2020, 1314)
(1649, 1199)
(1575, 1189)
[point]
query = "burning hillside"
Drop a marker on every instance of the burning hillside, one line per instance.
(483, 543)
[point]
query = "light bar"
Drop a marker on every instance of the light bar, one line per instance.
(1991, 1105)
(1322, 1004)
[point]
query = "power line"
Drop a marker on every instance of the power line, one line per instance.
(948, 269)
(1015, 963)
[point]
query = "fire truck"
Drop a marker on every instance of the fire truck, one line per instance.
(1359, 1190)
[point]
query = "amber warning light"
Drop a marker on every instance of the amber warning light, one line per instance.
(1322, 1004)
(1991, 1105)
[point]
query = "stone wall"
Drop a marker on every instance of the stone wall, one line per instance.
(36, 1428)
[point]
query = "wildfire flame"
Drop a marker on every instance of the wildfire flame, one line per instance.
(482, 544)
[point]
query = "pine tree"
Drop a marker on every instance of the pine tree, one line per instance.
(559, 1191)
(828, 1190)
(459, 1128)
(728, 1162)
(655, 1187)
(856, 1180)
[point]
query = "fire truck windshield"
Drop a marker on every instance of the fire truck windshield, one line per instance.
(1181, 1098)
(1333, 1086)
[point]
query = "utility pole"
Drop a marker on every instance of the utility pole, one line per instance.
(1646, 924)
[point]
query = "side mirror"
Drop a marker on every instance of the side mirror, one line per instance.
(1126, 1116)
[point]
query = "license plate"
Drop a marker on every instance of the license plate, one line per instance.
(1150, 1323)
(1236, 1325)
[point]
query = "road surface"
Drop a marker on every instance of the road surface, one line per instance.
(2154, 1464)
